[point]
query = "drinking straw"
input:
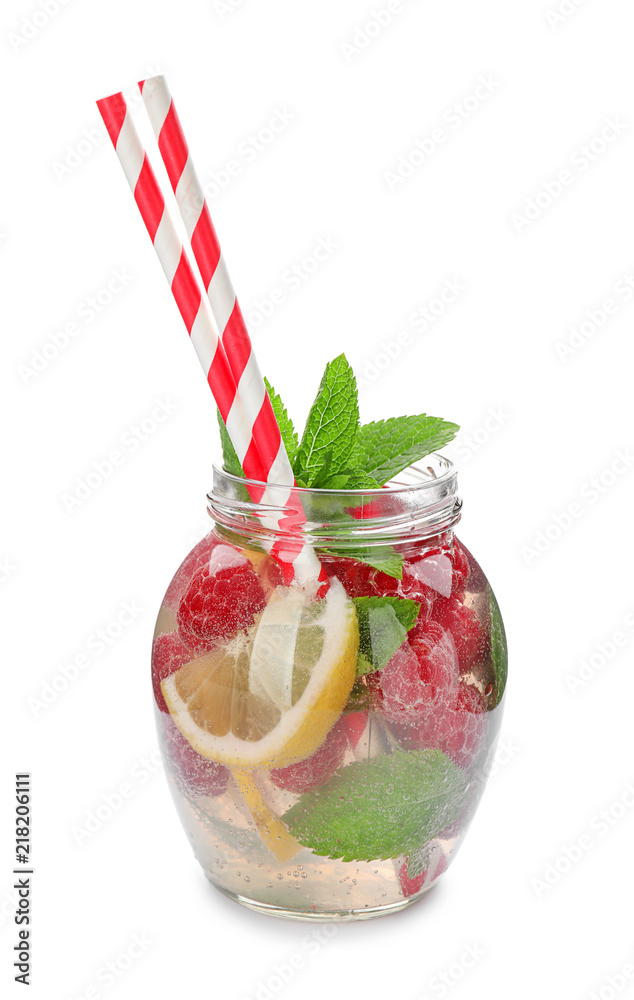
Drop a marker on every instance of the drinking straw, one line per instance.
(251, 437)
(205, 245)
(192, 305)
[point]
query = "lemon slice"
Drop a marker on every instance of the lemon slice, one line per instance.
(272, 666)
(270, 827)
(269, 697)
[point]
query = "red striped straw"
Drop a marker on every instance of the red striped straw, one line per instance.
(191, 303)
(195, 213)
(253, 436)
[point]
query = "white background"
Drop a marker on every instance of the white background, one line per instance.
(559, 420)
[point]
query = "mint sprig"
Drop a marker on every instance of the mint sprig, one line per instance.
(386, 447)
(383, 626)
(380, 808)
(337, 453)
(331, 429)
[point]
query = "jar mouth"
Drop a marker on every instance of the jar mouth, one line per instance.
(423, 475)
(418, 503)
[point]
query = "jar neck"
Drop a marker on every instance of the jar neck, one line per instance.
(412, 510)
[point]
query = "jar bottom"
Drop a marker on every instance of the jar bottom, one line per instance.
(322, 915)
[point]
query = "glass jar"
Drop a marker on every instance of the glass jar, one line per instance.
(327, 745)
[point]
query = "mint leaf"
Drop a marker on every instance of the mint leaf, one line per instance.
(364, 666)
(380, 557)
(386, 447)
(351, 479)
(230, 459)
(383, 626)
(332, 423)
(323, 475)
(499, 650)
(383, 558)
(380, 808)
(403, 609)
(289, 435)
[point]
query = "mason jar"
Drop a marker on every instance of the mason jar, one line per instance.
(327, 743)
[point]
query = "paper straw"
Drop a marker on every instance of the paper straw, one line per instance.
(299, 558)
(215, 276)
(191, 303)
(195, 213)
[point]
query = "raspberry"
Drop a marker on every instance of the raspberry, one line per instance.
(269, 572)
(470, 699)
(359, 579)
(421, 673)
(354, 724)
(468, 633)
(410, 886)
(197, 558)
(199, 776)
(461, 568)
(430, 572)
(441, 570)
(169, 654)
(223, 598)
(415, 587)
(316, 769)
(456, 728)
(369, 511)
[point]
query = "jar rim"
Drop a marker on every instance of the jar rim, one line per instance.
(420, 503)
(421, 479)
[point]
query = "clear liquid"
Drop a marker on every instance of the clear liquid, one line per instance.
(240, 851)
(234, 857)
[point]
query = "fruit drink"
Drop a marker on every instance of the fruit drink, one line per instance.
(327, 750)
